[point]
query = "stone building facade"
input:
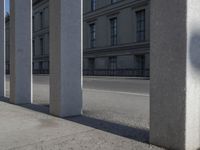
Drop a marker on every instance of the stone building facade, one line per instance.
(41, 36)
(7, 44)
(115, 39)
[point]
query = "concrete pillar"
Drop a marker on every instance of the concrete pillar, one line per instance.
(21, 51)
(2, 48)
(175, 74)
(65, 57)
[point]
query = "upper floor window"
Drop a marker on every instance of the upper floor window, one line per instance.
(41, 19)
(92, 35)
(113, 29)
(93, 5)
(33, 47)
(140, 21)
(42, 46)
(33, 23)
(113, 1)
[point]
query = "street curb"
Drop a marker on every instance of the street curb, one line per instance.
(119, 77)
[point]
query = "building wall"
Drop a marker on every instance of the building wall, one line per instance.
(127, 55)
(130, 55)
(40, 36)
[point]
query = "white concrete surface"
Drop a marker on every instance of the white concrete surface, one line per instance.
(2, 48)
(119, 120)
(25, 129)
(21, 51)
(65, 57)
(175, 74)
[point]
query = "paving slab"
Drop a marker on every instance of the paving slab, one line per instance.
(26, 128)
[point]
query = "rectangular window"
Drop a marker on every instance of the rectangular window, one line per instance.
(92, 35)
(41, 46)
(41, 19)
(33, 47)
(113, 1)
(113, 62)
(140, 65)
(93, 5)
(91, 63)
(140, 21)
(33, 26)
(113, 26)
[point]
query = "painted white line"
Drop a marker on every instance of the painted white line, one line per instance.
(117, 92)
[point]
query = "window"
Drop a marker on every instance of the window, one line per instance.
(140, 21)
(140, 64)
(41, 46)
(91, 63)
(33, 23)
(33, 47)
(92, 35)
(41, 19)
(40, 66)
(113, 62)
(113, 1)
(113, 26)
(93, 5)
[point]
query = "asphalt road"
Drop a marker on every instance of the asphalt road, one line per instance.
(120, 100)
(129, 85)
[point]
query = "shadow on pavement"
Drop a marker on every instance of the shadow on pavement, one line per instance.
(43, 108)
(140, 135)
(37, 107)
(137, 134)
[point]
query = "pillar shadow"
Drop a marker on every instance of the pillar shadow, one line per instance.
(137, 134)
(37, 107)
(43, 108)
(140, 135)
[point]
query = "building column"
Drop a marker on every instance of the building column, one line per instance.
(21, 51)
(65, 57)
(2, 48)
(175, 74)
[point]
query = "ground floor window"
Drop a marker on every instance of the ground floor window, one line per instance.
(140, 64)
(41, 67)
(112, 62)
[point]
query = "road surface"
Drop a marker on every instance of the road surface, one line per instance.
(120, 100)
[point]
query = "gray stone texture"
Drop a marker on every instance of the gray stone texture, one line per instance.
(175, 74)
(65, 57)
(21, 51)
(2, 48)
(25, 129)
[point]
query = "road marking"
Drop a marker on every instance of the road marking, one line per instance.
(117, 92)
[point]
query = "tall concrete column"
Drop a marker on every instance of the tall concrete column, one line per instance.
(2, 48)
(21, 51)
(175, 74)
(65, 57)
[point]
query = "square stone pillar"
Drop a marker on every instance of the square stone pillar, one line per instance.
(21, 51)
(65, 57)
(2, 48)
(175, 74)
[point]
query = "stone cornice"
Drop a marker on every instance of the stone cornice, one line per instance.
(114, 8)
(123, 48)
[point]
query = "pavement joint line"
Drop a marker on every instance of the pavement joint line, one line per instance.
(117, 92)
(51, 139)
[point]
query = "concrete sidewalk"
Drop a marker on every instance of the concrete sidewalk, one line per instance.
(30, 127)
